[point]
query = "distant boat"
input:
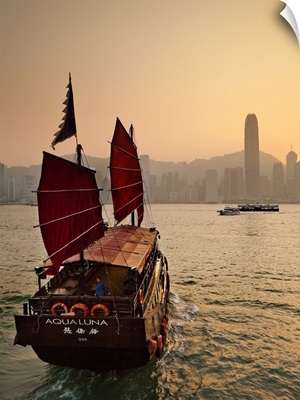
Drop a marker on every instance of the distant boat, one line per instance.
(64, 321)
(258, 207)
(229, 210)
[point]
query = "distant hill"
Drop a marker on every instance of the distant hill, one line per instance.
(192, 171)
(196, 169)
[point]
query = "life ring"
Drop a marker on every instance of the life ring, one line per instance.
(97, 307)
(160, 346)
(57, 307)
(82, 307)
(141, 297)
(152, 346)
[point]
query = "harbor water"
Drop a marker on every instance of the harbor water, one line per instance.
(234, 326)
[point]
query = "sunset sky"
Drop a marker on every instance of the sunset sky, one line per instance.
(185, 73)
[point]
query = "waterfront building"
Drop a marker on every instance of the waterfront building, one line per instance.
(11, 189)
(264, 187)
(169, 184)
(278, 181)
(291, 161)
(28, 189)
(211, 186)
(233, 184)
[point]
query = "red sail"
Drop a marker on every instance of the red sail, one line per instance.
(70, 213)
(126, 176)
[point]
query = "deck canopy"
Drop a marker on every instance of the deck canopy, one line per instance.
(125, 246)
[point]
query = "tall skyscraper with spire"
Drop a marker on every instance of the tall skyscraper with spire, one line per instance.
(291, 162)
(251, 154)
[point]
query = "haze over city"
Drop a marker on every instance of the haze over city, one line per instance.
(184, 73)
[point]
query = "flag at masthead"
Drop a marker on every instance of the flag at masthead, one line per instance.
(68, 124)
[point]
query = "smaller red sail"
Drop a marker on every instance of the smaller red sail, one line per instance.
(70, 213)
(126, 176)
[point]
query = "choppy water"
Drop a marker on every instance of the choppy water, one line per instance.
(234, 329)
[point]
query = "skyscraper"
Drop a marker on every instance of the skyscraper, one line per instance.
(233, 184)
(278, 181)
(211, 185)
(291, 161)
(251, 158)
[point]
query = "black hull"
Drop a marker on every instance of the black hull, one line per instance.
(258, 207)
(89, 343)
(258, 210)
(94, 358)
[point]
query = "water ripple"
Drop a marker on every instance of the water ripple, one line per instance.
(234, 327)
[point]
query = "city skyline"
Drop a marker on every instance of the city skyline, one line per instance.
(185, 74)
(211, 180)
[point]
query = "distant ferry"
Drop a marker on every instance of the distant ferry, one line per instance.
(258, 207)
(229, 210)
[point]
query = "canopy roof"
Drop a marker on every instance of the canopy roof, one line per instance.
(125, 246)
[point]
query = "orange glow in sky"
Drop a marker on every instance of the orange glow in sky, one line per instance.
(185, 73)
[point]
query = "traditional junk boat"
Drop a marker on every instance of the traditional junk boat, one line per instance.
(64, 321)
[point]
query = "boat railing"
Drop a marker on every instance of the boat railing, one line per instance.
(66, 289)
(70, 280)
(117, 305)
(139, 301)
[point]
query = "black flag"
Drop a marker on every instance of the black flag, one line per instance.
(68, 125)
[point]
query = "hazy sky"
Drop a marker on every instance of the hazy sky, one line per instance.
(185, 73)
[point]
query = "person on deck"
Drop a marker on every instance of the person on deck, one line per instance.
(101, 289)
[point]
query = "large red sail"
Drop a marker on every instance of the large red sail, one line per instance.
(126, 176)
(70, 212)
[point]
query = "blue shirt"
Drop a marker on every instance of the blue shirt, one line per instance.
(101, 289)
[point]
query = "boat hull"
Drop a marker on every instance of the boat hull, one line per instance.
(127, 333)
(222, 212)
(85, 342)
(258, 207)
(229, 210)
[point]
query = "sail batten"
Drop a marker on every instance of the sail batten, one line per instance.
(68, 244)
(65, 217)
(124, 151)
(124, 169)
(68, 191)
(127, 187)
(126, 205)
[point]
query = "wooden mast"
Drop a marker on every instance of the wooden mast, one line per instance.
(131, 137)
